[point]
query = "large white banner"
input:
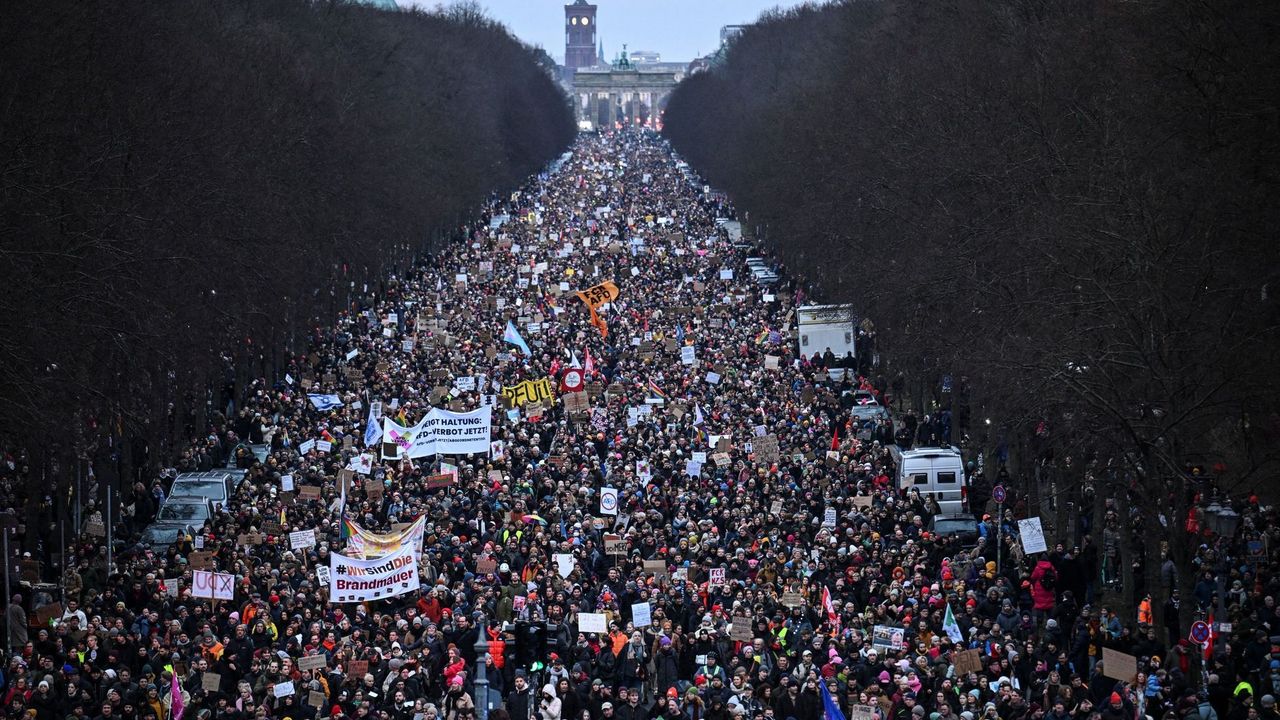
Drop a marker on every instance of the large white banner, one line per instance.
(441, 432)
(356, 580)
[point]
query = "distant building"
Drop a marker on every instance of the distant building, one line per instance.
(645, 57)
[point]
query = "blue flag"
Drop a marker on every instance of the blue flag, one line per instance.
(325, 401)
(830, 710)
(512, 336)
(373, 429)
(679, 333)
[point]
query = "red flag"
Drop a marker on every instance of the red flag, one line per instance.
(835, 438)
(590, 365)
(832, 616)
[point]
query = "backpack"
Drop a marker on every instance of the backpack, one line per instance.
(1049, 581)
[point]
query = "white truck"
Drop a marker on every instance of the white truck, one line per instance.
(823, 327)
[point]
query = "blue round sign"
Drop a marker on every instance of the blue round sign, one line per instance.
(997, 493)
(1200, 632)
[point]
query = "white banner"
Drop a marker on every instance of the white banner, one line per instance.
(441, 432)
(354, 580)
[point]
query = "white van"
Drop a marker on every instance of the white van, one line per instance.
(936, 472)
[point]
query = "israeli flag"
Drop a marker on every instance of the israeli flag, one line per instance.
(324, 401)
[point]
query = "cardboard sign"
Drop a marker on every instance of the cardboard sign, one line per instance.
(374, 489)
(357, 668)
(45, 613)
(316, 699)
(250, 539)
(861, 712)
(309, 492)
(311, 662)
(486, 566)
(1118, 665)
(792, 599)
(766, 448)
(967, 661)
(657, 567)
(210, 682)
(615, 545)
(200, 560)
(741, 629)
(439, 481)
(95, 528)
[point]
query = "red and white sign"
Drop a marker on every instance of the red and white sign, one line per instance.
(573, 380)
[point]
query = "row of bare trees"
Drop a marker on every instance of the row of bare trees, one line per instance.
(188, 188)
(1070, 205)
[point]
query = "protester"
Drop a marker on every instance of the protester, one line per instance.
(872, 610)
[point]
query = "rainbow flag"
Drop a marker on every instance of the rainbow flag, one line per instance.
(348, 528)
(653, 388)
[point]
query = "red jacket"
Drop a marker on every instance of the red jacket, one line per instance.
(1042, 598)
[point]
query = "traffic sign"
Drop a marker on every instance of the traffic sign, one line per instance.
(997, 493)
(1199, 632)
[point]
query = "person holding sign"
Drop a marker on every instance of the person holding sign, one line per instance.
(594, 297)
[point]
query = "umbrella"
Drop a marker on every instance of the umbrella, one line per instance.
(534, 518)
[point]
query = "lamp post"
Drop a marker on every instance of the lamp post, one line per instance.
(1222, 521)
(482, 680)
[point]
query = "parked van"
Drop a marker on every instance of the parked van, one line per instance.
(936, 472)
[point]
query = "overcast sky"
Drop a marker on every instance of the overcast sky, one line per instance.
(678, 29)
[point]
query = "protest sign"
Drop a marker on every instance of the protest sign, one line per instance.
(716, 576)
(641, 614)
(311, 662)
(966, 661)
(302, 539)
(608, 501)
(210, 682)
(888, 637)
(615, 545)
(740, 629)
(1032, 536)
(861, 712)
(353, 579)
(1118, 665)
(592, 623)
(317, 699)
(367, 544)
(528, 391)
(657, 567)
(441, 432)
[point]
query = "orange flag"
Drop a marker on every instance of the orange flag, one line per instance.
(595, 296)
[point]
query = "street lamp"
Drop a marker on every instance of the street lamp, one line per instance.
(482, 680)
(1221, 519)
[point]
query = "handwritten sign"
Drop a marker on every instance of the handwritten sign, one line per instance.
(311, 662)
(740, 629)
(210, 682)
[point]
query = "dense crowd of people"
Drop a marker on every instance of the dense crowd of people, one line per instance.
(761, 601)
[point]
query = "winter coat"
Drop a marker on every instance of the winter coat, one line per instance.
(1042, 598)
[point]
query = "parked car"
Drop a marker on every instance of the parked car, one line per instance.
(216, 487)
(866, 407)
(963, 526)
(184, 512)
